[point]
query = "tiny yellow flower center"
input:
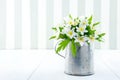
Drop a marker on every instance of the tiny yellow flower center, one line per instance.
(84, 23)
(92, 38)
(70, 33)
(75, 23)
(71, 22)
(81, 39)
(81, 29)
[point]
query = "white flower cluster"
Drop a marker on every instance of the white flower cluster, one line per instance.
(80, 29)
(76, 31)
(75, 28)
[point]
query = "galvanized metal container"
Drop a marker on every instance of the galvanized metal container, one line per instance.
(82, 64)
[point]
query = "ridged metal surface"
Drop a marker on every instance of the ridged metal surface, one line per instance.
(82, 64)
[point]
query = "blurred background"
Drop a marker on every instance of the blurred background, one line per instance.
(26, 24)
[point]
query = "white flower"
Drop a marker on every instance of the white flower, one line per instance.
(91, 39)
(81, 40)
(76, 21)
(70, 33)
(84, 22)
(81, 29)
(70, 22)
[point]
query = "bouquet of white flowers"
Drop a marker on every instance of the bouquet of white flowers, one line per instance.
(77, 31)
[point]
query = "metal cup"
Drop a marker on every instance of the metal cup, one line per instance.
(82, 64)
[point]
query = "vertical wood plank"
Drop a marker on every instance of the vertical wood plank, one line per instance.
(42, 34)
(105, 22)
(2, 24)
(57, 11)
(26, 24)
(50, 18)
(18, 24)
(113, 24)
(10, 25)
(118, 24)
(81, 7)
(65, 8)
(73, 7)
(57, 14)
(34, 23)
(97, 15)
(88, 7)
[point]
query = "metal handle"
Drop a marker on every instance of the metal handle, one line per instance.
(56, 48)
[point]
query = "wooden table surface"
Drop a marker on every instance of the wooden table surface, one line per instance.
(46, 65)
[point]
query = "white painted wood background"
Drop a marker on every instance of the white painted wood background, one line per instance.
(26, 24)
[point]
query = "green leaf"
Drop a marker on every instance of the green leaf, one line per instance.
(73, 48)
(54, 28)
(77, 43)
(62, 36)
(62, 45)
(70, 16)
(60, 28)
(90, 31)
(90, 20)
(58, 49)
(96, 23)
(52, 37)
(101, 35)
(99, 38)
